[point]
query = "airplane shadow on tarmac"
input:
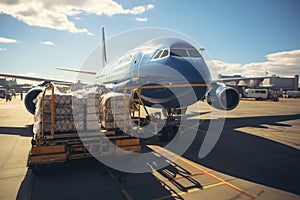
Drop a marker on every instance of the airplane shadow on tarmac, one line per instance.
(250, 157)
(238, 154)
(22, 131)
(89, 179)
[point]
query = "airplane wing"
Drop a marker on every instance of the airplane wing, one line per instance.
(31, 78)
(237, 79)
(77, 70)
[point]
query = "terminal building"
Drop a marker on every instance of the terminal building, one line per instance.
(275, 82)
(12, 84)
(291, 83)
(3, 83)
(8, 83)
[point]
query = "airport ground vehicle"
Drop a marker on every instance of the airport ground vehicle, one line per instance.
(2, 93)
(260, 94)
(292, 94)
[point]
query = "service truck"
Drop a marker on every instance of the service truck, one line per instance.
(292, 94)
(260, 94)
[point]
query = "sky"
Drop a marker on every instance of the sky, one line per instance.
(246, 37)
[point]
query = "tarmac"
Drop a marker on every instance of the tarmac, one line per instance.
(256, 157)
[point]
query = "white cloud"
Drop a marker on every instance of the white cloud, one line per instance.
(285, 63)
(141, 9)
(7, 40)
(141, 19)
(150, 6)
(49, 43)
(54, 13)
(2, 49)
(285, 57)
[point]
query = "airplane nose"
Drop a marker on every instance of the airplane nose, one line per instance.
(176, 70)
(186, 80)
(194, 70)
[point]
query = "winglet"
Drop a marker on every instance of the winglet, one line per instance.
(104, 60)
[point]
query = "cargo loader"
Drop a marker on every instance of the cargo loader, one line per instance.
(63, 132)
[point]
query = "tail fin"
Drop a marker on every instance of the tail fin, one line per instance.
(104, 60)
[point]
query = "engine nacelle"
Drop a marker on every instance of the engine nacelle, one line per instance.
(30, 96)
(223, 98)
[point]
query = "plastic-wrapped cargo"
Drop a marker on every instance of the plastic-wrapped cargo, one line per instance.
(88, 111)
(114, 111)
(68, 104)
(63, 115)
(82, 110)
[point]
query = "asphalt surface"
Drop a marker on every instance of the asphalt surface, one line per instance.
(256, 157)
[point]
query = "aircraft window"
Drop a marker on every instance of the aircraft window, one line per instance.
(165, 53)
(179, 52)
(194, 53)
(260, 91)
(161, 54)
(158, 54)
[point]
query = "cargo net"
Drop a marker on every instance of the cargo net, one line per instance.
(92, 108)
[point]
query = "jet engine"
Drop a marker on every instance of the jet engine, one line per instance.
(29, 98)
(223, 97)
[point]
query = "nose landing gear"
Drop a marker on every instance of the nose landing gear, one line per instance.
(172, 123)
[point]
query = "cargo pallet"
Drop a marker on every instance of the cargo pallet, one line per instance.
(51, 147)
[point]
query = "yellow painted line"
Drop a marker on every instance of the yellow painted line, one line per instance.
(217, 178)
(213, 185)
(159, 149)
(114, 178)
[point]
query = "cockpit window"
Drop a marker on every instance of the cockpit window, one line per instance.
(194, 53)
(179, 52)
(161, 54)
(185, 53)
(165, 53)
(158, 54)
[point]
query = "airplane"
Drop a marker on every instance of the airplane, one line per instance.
(171, 71)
